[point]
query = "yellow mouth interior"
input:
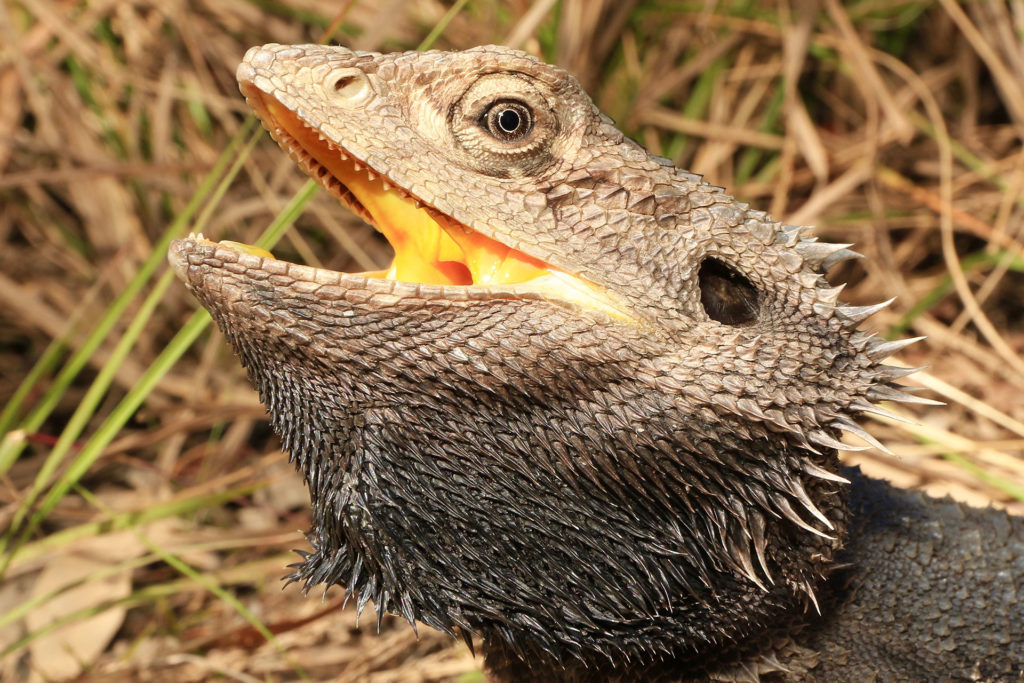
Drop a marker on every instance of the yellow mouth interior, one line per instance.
(430, 247)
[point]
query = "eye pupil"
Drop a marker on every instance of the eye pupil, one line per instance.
(509, 120)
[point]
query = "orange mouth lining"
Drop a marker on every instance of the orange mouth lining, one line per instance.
(430, 247)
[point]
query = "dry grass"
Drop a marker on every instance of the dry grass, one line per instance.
(155, 527)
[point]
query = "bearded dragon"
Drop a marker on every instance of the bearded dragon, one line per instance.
(590, 413)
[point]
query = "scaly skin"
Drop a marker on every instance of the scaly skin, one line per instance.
(639, 483)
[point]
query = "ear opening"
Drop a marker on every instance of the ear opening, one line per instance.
(726, 295)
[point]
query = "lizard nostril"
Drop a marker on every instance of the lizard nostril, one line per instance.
(727, 296)
(343, 82)
(348, 84)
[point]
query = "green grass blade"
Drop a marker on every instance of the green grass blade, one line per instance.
(11, 448)
(143, 596)
(98, 389)
(185, 569)
(43, 367)
(439, 28)
(92, 450)
(126, 520)
(90, 402)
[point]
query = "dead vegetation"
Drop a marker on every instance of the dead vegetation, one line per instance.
(146, 514)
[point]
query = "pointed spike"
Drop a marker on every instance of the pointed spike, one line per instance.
(806, 445)
(852, 315)
(379, 607)
(742, 557)
(861, 433)
(797, 489)
(890, 372)
(821, 473)
(788, 235)
(829, 295)
(868, 407)
(777, 667)
(751, 409)
(405, 607)
(885, 392)
(783, 506)
(809, 280)
(814, 599)
(880, 350)
(824, 414)
(778, 418)
(840, 257)
(757, 536)
(815, 252)
(860, 339)
(468, 638)
(361, 600)
(353, 580)
(823, 439)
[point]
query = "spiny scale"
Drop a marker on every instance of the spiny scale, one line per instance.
(854, 315)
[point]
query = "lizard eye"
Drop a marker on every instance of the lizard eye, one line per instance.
(505, 123)
(508, 120)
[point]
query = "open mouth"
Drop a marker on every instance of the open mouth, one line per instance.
(430, 247)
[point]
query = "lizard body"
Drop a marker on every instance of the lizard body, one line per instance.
(590, 413)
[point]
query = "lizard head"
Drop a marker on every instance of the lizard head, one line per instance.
(590, 409)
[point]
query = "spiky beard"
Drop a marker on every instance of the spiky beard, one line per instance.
(660, 543)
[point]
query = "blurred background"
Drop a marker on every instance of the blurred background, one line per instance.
(147, 514)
